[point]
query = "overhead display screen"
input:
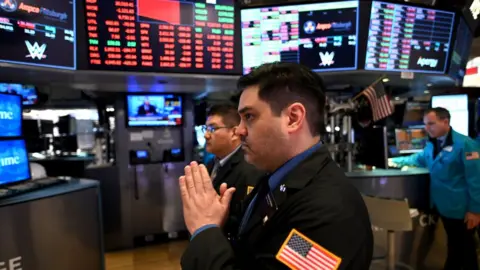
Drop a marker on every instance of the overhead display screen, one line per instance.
(461, 52)
(322, 36)
(408, 38)
(38, 32)
(154, 110)
(162, 36)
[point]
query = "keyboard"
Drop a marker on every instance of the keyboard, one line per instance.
(30, 186)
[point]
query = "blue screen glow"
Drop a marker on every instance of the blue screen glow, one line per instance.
(10, 115)
(14, 165)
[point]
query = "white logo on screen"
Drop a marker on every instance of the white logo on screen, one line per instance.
(475, 8)
(427, 62)
(326, 58)
(11, 264)
(6, 116)
(9, 161)
(35, 50)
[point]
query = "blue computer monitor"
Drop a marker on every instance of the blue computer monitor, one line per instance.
(10, 115)
(14, 164)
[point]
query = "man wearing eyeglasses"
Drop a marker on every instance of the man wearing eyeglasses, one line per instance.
(229, 165)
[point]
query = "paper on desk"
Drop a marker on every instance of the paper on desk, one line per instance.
(414, 212)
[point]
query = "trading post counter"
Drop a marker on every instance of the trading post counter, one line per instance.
(420, 248)
(55, 228)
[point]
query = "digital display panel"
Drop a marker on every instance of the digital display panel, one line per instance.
(27, 92)
(408, 38)
(322, 36)
(38, 32)
(10, 115)
(461, 52)
(161, 35)
(14, 164)
(457, 105)
(154, 110)
(410, 140)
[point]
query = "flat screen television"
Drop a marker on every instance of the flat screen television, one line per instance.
(10, 115)
(404, 37)
(28, 92)
(14, 164)
(154, 110)
(38, 33)
(321, 36)
(461, 52)
(457, 105)
(188, 36)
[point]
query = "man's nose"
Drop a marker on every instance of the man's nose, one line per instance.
(241, 130)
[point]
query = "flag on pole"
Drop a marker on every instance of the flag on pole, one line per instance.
(379, 101)
(299, 252)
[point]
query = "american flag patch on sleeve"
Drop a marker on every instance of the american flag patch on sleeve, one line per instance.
(299, 252)
(472, 155)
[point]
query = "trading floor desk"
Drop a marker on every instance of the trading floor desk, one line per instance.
(422, 248)
(412, 184)
(54, 228)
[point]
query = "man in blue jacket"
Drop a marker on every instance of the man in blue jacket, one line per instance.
(454, 164)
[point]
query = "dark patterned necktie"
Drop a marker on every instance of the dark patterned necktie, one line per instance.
(215, 169)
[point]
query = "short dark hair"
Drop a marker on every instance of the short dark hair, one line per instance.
(282, 84)
(228, 112)
(440, 112)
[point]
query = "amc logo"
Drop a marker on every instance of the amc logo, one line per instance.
(9, 161)
(11, 264)
(6, 115)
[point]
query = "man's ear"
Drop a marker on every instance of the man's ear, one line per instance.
(234, 133)
(296, 114)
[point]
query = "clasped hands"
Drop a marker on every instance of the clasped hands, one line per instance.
(201, 203)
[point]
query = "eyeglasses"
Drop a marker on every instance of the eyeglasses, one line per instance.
(211, 129)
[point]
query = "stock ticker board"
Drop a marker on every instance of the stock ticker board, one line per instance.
(161, 36)
(322, 36)
(408, 38)
(38, 32)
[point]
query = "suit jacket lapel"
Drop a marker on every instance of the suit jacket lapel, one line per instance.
(294, 181)
(224, 170)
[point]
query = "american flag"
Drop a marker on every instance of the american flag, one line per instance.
(299, 253)
(379, 101)
(472, 155)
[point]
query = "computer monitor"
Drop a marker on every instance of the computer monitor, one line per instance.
(28, 92)
(30, 128)
(410, 140)
(10, 115)
(457, 105)
(373, 149)
(14, 164)
(413, 115)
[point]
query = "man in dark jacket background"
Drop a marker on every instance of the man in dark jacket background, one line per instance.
(229, 165)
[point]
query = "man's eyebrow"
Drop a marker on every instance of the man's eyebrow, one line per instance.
(244, 109)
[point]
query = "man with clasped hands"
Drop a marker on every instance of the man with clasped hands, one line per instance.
(303, 215)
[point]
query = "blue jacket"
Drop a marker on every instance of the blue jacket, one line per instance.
(454, 174)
